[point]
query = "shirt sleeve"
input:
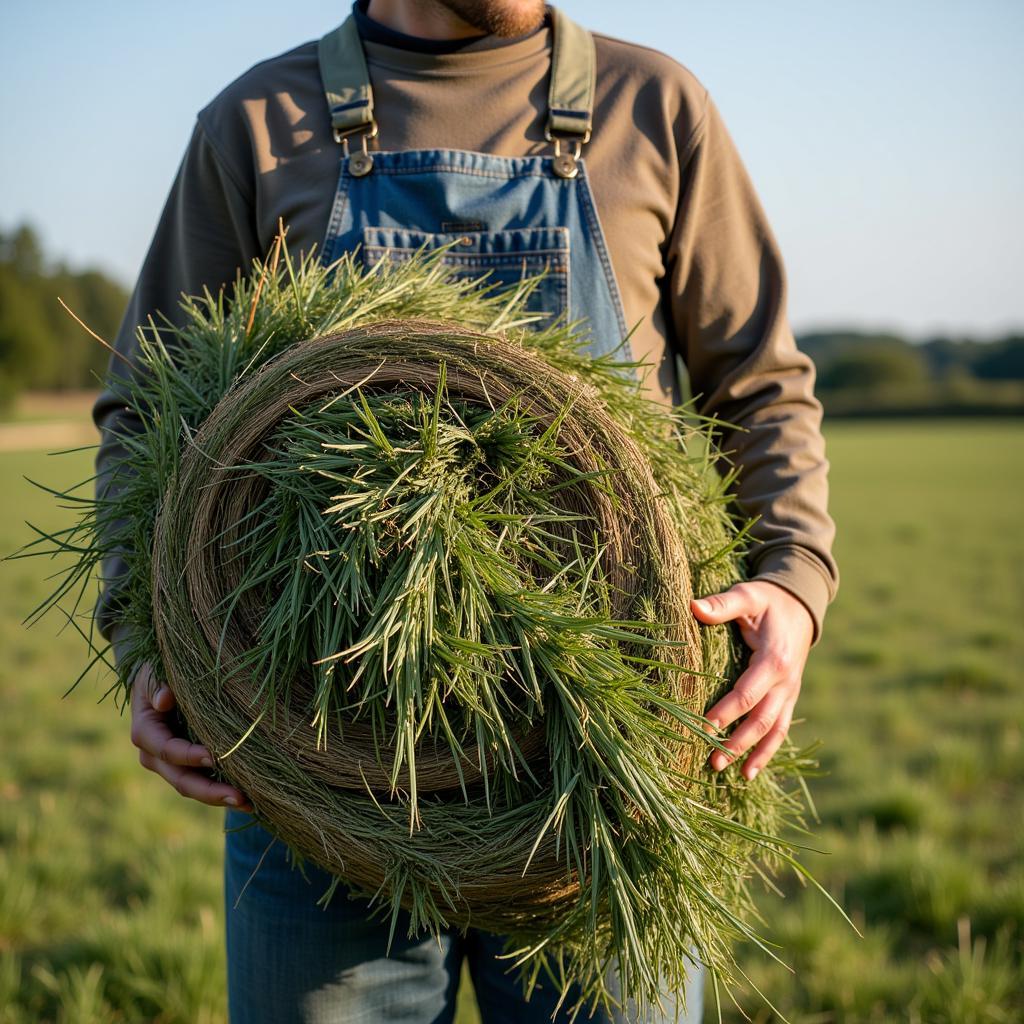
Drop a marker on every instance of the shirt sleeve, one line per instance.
(726, 295)
(205, 234)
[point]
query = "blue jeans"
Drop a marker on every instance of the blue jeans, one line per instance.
(290, 960)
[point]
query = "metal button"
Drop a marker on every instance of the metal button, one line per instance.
(564, 165)
(360, 164)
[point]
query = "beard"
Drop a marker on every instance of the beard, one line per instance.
(506, 18)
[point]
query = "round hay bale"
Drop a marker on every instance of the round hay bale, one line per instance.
(417, 567)
(195, 573)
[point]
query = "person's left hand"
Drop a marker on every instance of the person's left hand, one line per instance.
(778, 629)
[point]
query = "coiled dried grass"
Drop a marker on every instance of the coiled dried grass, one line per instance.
(568, 806)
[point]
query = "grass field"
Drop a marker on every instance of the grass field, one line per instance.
(110, 884)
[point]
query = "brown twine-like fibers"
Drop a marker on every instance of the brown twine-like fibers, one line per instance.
(334, 804)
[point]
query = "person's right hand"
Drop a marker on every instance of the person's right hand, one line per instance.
(172, 757)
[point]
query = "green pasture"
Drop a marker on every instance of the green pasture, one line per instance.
(110, 883)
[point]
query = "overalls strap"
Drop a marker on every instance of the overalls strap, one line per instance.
(573, 73)
(570, 98)
(345, 78)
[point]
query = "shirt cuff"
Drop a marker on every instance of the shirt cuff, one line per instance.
(800, 572)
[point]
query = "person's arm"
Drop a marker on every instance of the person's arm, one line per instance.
(205, 233)
(726, 291)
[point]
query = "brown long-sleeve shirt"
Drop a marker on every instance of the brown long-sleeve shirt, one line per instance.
(691, 248)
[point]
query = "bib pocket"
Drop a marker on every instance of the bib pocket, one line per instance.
(501, 258)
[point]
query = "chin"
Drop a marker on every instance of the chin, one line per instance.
(506, 18)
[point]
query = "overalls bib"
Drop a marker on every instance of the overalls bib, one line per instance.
(289, 959)
(510, 216)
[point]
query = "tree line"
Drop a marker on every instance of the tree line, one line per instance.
(41, 346)
(859, 373)
(865, 374)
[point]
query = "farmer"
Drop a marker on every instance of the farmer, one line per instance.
(503, 124)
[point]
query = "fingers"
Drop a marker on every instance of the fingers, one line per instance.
(758, 724)
(178, 750)
(770, 743)
(163, 700)
(194, 785)
(763, 672)
(765, 693)
(143, 685)
(151, 734)
(149, 730)
(174, 758)
(151, 701)
(731, 604)
(778, 628)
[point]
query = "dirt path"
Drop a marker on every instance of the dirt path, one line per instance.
(49, 421)
(30, 437)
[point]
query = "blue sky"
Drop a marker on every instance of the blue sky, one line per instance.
(886, 140)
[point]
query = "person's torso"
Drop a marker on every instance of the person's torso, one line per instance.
(646, 107)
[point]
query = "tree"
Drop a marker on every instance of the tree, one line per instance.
(874, 365)
(1002, 360)
(40, 345)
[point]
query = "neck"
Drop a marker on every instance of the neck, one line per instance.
(427, 21)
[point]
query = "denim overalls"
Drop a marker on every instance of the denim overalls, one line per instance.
(288, 959)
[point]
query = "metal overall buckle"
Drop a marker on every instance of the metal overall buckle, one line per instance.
(566, 165)
(359, 163)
